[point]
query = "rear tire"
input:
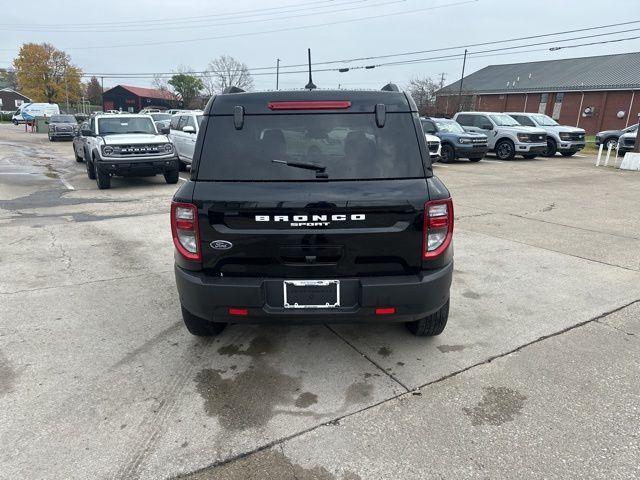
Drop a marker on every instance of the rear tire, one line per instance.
(552, 148)
(200, 327)
(103, 179)
(172, 176)
(447, 153)
(613, 141)
(505, 150)
(91, 172)
(431, 325)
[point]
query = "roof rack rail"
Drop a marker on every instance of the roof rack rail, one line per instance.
(390, 87)
(233, 89)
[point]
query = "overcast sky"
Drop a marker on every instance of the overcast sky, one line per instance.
(333, 29)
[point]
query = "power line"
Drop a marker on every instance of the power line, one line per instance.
(163, 28)
(400, 54)
(243, 13)
(278, 30)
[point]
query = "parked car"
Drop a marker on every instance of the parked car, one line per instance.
(313, 206)
(627, 142)
(434, 145)
(560, 138)
(127, 145)
(146, 111)
(62, 126)
(161, 120)
(28, 112)
(456, 142)
(505, 136)
(183, 132)
(80, 142)
(610, 137)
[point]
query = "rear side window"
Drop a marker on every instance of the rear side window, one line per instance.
(348, 146)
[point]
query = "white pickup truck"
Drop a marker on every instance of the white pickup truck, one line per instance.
(505, 136)
(560, 138)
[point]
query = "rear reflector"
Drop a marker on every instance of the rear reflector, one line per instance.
(326, 105)
(385, 311)
(438, 227)
(238, 312)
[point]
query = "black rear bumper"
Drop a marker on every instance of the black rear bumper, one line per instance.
(413, 297)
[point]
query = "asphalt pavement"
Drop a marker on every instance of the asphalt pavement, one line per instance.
(536, 375)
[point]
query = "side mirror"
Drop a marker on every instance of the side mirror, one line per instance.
(487, 126)
(87, 133)
(166, 130)
(189, 129)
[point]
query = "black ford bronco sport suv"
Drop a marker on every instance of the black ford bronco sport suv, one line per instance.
(313, 206)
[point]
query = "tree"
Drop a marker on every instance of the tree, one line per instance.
(187, 86)
(159, 83)
(224, 72)
(94, 92)
(45, 74)
(8, 78)
(423, 91)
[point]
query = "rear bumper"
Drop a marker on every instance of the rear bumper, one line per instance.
(413, 297)
(138, 167)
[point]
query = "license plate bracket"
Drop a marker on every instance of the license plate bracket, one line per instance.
(311, 293)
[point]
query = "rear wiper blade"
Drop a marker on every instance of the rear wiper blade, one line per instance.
(306, 166)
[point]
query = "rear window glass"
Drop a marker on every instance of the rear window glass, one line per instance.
(346, 146)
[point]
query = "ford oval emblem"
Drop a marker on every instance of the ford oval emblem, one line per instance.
(221, 245)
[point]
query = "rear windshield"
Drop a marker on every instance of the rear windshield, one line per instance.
(310, 147)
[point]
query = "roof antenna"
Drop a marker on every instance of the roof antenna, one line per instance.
(310, 85)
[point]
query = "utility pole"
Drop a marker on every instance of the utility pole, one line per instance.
(277, 74)
(442, 79)
(66, 84)
(102, 91)
(464, 63)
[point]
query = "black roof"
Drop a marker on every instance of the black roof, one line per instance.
(362, 101)
(605, 72)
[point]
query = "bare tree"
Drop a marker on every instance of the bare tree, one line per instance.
(160, 83)
(224, 72)
(423, 90)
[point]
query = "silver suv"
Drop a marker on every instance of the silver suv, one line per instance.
(127, 145)
(505, 136)
(560, 138)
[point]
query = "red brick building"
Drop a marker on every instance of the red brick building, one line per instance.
(594, 93)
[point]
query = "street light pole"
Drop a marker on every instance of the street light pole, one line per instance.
(278, 74)
(464, 63)
(66, 85)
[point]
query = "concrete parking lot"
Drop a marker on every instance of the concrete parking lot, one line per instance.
(536, 375)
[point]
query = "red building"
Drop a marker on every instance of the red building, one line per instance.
(594, 93)
(133, 99)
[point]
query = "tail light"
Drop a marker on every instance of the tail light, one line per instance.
(184, 227)
(438, 227)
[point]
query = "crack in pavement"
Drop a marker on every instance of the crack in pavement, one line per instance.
(373, 362)
(336, 421)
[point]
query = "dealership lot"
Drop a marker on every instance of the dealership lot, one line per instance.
(536, 374)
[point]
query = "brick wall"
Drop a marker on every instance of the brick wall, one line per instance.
(606, 105)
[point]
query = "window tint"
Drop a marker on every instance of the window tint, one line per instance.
(120, 125)
(466, 120)
(190, 121)
(523, 120)
(174, 122)
(350, 147)
(428, 126)
(481, 121)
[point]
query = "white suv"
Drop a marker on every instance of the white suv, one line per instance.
(505, 136)
(127, 145)
(183, 132)
(560, 138)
